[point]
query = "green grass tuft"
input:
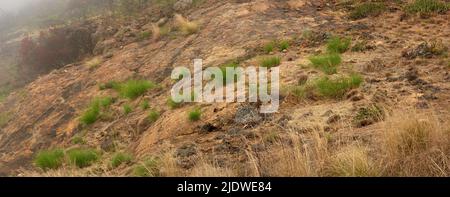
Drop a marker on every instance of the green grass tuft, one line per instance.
(336, 88)
(195, 115)
(338, 45)
(283, 45)
(49, 159)
(269, 47)
(153, 116)
(427, 7)
(127, 109)
(148, 168)
(172, 104)
(82, 157)
(367, 9)
(91, 115)
(132, 89)
(270, 61)
(327, 63)
(121, 158)
(145, 105)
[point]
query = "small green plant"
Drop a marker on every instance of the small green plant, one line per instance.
(78, 140)
(271, 137)
(49, 159)
(91, 115)
(132, 89)
(270, 61)
(283, 45)
(338, 45)
(336, 88)
(195, 115)
(148, 168)
(427, 7)
(106, 101)
(121, 158)
(109, 85)
(82, 157)
(145, 105)
(127, 109)
(153, 116)
(269, 47)
(172, 104)
(367, 9)
(327, 63)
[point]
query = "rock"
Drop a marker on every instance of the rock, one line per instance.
(143, 124)
(248, 115)
(412, 74)
(208, 127)
(425, 49)
(187, 150)
(108, 144)
(182, 5)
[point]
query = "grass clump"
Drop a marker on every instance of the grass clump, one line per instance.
(269, 47)
(269, 62)
(352, 161)
(82, 157)
(93, 63)
(49, 159)
(106, 101)
(91, 115)
(185, 26)
(145, 105)
(121, 158)
(108, 85)
(283, 45)
(148, 168)
(195, 115)
(78, 140)
(132, 89)
(153, 116)
(127, 109)
(326, 63)
(172, 104)
(145, 35)
(336, 88)
(338, 45)
(368, 115)
(367, 9)
(427, 7)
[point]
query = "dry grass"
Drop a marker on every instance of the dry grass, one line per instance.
(185, 26)
(205, 168)
(352, 161)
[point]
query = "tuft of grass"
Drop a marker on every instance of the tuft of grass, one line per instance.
(270, 61)
(326, 63)
(336, 88)
(367, 9)
(145, 35)
(145, 105)
(132, 89)
(91, 115)
(49, 159)
(153, 116)
(352, 161)
(427, 7)
(368, 115)
(127, 109)
(93, 63)
(82, 157)
(121, 158)
(106, 101)
(4, 118)
(186, 26)
(109, 85)
(78, 140)
(195, 115)
(269, 47)
(283, 45)
(172, 104)
(149, 168)
(338, 45)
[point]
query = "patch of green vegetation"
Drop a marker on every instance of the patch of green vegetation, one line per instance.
(145, 35)
(82, 157)
(271, 137)
(172, 104)
(148, 168)
(338, 45)
(269, 47)
(132, 89)
(195, 115)
(270, 61)
(327, 63)
(127, 109)
(153, 116)
(91, 115)
(121, 158)
(49, 159)
(283, 45)
(328, 88)
(78, 140)
(369, 115)
(367, 9)
(145, 105)
(4, 92)
(109, 85)
(4, 118)
(106, 101)
(427, 7)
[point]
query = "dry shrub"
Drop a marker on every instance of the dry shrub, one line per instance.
(185, 26)
(415, 145)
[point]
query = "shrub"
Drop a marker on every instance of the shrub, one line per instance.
(186, 26)
(368, 115)
(120, 158)
(336, 88)
(132, 89)
(338, 45)
(49, 159)
(326, 63)
(427, 7)
(153, 116)
(195, 115)
(148, 168)
(82, 157)
(127, 109)
(367, 9)
(270, 61)
(269, 47)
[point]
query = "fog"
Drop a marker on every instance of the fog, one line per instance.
(11, 6)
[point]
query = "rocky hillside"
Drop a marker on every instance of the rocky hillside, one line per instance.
(365, 92)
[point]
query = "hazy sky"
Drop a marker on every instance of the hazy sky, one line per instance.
(13, 5)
